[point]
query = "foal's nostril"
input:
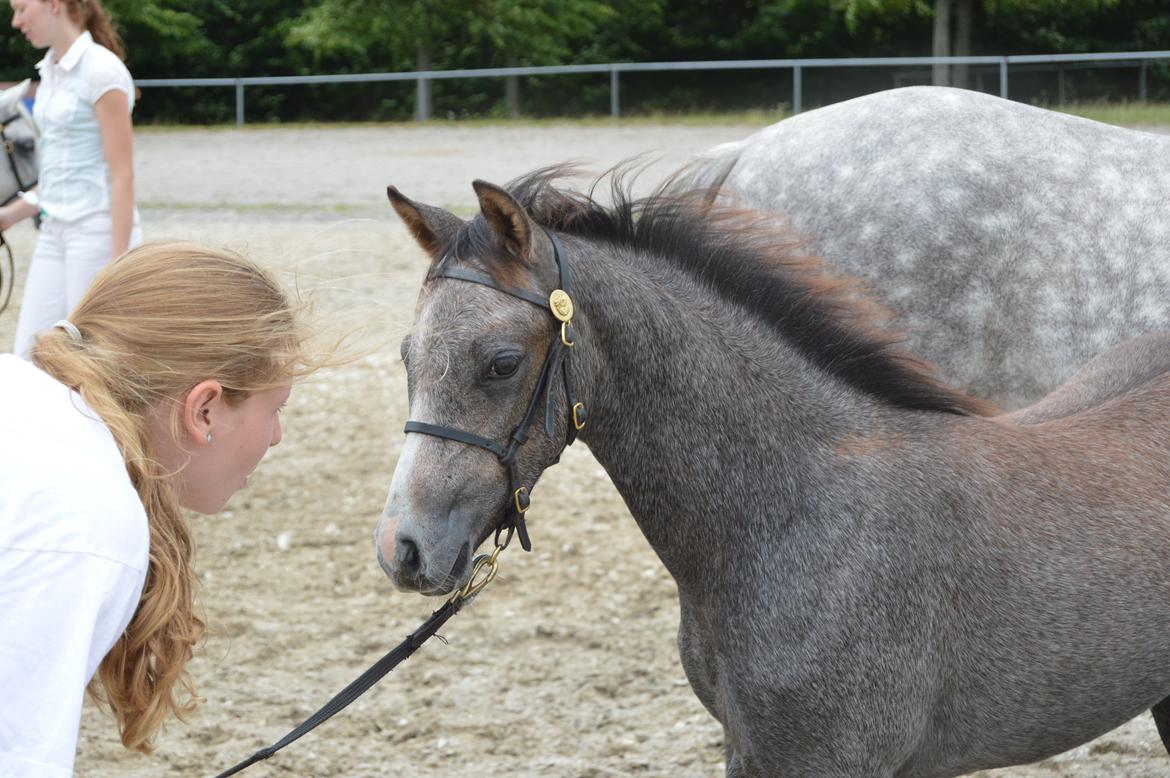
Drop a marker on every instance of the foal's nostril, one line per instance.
(408, 556)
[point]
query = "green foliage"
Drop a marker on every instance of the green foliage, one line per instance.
(858, 13)
(391, 32)
(209, 38)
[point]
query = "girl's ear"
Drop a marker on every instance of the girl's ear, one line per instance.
(200, 412)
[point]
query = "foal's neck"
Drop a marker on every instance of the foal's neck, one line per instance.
(708, 423)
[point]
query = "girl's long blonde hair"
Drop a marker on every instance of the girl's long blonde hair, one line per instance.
(90, 15)
(154, 323)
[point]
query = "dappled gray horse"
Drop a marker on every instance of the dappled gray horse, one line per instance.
(18, 162)
(18, 169)
(1012, 242)
(876, 576)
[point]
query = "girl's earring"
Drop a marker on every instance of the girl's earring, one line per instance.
(209, 437)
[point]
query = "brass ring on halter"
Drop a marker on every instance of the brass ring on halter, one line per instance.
(565, 334)
(578, 422)
(473, 586)
(502, 544)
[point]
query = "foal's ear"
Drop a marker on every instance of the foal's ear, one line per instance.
(511, 225)
(432, 227)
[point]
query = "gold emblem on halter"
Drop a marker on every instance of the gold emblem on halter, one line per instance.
(561, 305)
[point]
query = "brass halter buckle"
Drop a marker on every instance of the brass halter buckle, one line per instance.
(521, 499)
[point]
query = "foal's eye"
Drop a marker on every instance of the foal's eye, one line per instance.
(504, 364)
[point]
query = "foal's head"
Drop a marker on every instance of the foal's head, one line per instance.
(473, 360)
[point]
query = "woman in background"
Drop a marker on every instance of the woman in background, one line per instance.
(86, 190)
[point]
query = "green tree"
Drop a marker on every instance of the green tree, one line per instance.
(157, 33)
(430, 34)
(954, 21)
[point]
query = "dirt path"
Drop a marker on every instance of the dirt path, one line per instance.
(567, 666)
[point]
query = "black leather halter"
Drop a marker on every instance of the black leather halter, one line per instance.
(560, 305)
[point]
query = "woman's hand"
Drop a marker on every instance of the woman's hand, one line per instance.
(15, 211)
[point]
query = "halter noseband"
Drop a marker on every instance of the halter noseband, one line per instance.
(560, 305)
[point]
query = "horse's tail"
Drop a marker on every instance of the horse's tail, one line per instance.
(1161, 713)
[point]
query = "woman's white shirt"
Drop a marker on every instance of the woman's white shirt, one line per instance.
(74, 175)
(74, 548)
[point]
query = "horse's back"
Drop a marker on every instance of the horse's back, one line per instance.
(1129, 367)
(1013, 243)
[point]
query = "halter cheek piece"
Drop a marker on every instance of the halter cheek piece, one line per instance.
(560, 304)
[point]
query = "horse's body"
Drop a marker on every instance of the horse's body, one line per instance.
(18, 162)
(876, 576)
(1013, 243)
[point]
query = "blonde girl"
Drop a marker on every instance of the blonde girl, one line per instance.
(86, 190)
(161, 391)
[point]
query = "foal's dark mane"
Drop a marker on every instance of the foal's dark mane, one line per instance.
(749, 261)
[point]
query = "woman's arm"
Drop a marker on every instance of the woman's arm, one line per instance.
(113, 114)
(15, 211)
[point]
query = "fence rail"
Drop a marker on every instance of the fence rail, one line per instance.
(1139, 59)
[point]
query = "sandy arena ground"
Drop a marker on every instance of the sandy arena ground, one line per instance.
(567, 665)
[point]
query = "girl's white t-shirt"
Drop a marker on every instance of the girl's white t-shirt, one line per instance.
(74, 547)
(74, 172)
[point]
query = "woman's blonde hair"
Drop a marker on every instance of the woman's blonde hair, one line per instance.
(154, 323)
(90, 15)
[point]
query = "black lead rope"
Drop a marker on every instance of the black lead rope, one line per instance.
(363, 682)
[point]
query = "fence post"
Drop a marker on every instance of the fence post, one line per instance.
(614, 94)
(239, 102)
(1143, 91)
(796, 97)
(1060, 85)
(1003, 82)
(422, 101)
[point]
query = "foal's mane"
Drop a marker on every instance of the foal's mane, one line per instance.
(747, 259)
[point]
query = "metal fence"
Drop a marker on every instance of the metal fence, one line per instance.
(1001, 64)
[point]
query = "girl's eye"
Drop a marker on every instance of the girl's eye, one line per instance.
(504, 365)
